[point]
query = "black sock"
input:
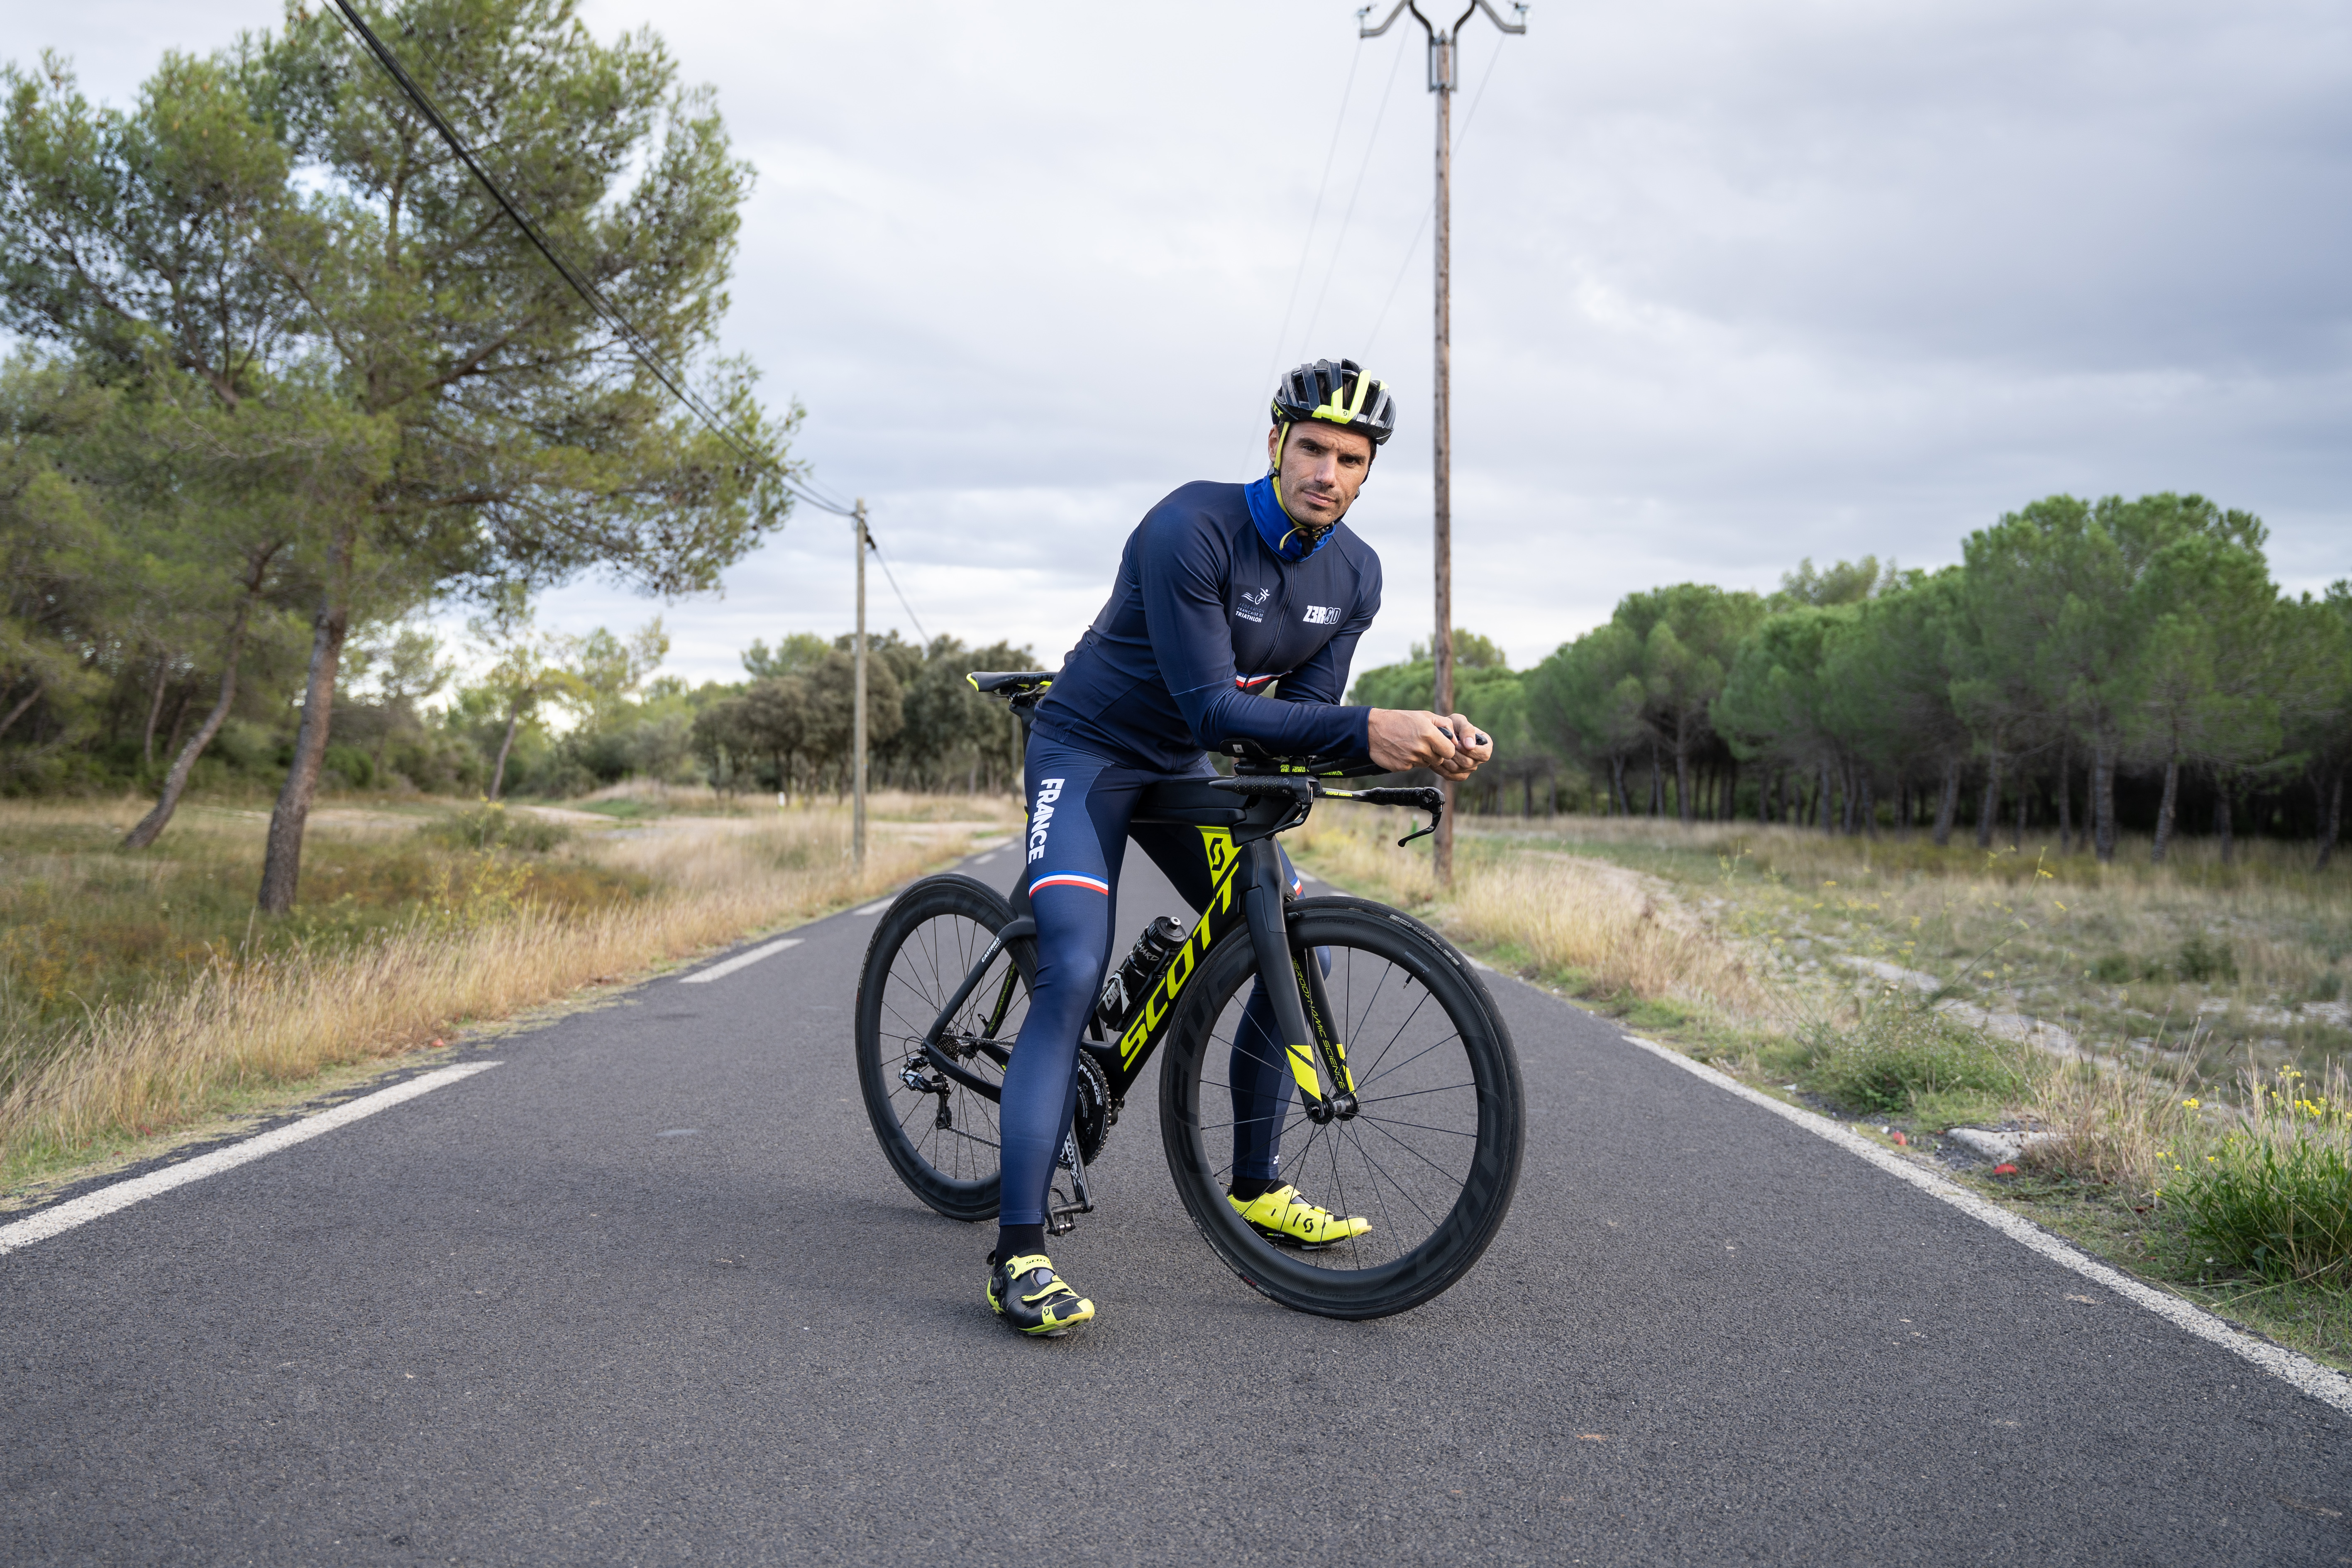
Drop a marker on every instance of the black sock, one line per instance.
(1019, 1241)
(1248, 1188)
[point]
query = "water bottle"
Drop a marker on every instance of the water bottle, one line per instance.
(1127, 984)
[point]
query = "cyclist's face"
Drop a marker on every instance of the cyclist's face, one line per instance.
(1322, 468)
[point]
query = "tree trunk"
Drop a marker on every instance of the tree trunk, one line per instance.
(1990, 807)
(1730, 805)
(154, 711)
(151, 827)
(1657, 783)
(281, 867)
(2103, 802)
(2066, 798)
(2330, 820)
(1948, 805)
(1869, 806)
(498, 773)
(18, 711)
(179, 721)
(1822, 799)
(2222, 824)
(2163, 811)
(2017, 829)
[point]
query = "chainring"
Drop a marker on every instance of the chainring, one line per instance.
(1095, 1114)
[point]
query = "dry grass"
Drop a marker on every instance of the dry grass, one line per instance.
(477, 945)
(2117, 1125)
(1601, 929)
(2228, 963)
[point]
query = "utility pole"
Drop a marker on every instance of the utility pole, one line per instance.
(1443, 79)
(857, 703)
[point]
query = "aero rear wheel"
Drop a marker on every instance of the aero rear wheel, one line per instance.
(940, 1133)
(1432, 1157)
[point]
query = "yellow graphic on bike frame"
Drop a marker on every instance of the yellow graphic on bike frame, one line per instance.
(1218, 845)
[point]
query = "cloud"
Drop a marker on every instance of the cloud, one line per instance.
(1732, 284)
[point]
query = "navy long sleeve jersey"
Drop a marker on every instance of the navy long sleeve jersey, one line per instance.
(1206, 614)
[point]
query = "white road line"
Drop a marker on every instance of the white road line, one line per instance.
(741, 959)
(2324, 1383)
(877, 907)
(984, 859)
(122, 1194)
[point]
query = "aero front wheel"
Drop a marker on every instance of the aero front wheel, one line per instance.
(1428, 1161)
(938, 1127)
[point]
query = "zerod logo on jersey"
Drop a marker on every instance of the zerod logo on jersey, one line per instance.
(1041, 815)
(1321, 616)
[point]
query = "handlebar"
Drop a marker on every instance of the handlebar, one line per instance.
(1304, 789)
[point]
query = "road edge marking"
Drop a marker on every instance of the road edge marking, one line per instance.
(740, 960)
(2321, 1382)
(64, 1216)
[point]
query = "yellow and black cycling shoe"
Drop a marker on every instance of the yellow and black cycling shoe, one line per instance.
(1026, 1293)
(1285, 1218)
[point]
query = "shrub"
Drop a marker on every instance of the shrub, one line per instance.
(2115, 969)
(355, 768)
(2201, 961)
(1899, 1056)
(491, 826)
(2273, 1197)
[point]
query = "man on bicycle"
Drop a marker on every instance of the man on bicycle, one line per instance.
(1237, 610)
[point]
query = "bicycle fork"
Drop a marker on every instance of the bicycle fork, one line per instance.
(1318, 1060)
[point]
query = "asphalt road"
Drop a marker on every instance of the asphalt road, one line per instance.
(646, 1292)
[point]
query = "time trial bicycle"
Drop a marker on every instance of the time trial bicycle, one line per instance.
(1407, 1110)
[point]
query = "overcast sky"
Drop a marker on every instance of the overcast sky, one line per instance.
(1733, 284)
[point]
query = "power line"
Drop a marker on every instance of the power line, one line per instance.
(893, 580)
(1307, 248)
(1371, 143)
(647, 355)
(1413, 246)
(635, 342)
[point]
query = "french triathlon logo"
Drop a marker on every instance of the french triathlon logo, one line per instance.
(1253, 606)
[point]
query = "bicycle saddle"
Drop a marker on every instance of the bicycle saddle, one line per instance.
(1012, 680)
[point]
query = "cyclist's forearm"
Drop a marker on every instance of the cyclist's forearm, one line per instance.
(1284, 729)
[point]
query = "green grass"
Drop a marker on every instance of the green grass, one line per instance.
(622, 808)
(1909, 1061)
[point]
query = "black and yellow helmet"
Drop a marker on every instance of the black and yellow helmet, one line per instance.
(1339, 395)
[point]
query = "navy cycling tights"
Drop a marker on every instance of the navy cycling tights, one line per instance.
(1079, 807)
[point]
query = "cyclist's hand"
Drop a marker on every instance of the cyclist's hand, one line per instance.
(1472, 746)
(1402, 739)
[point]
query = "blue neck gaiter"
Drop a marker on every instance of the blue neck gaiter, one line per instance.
(1282, 536)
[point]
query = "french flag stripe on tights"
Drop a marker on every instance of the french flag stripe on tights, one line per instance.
(1071, 880)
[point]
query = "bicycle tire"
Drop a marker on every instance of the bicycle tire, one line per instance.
(1452, 1157)
(926, 943)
